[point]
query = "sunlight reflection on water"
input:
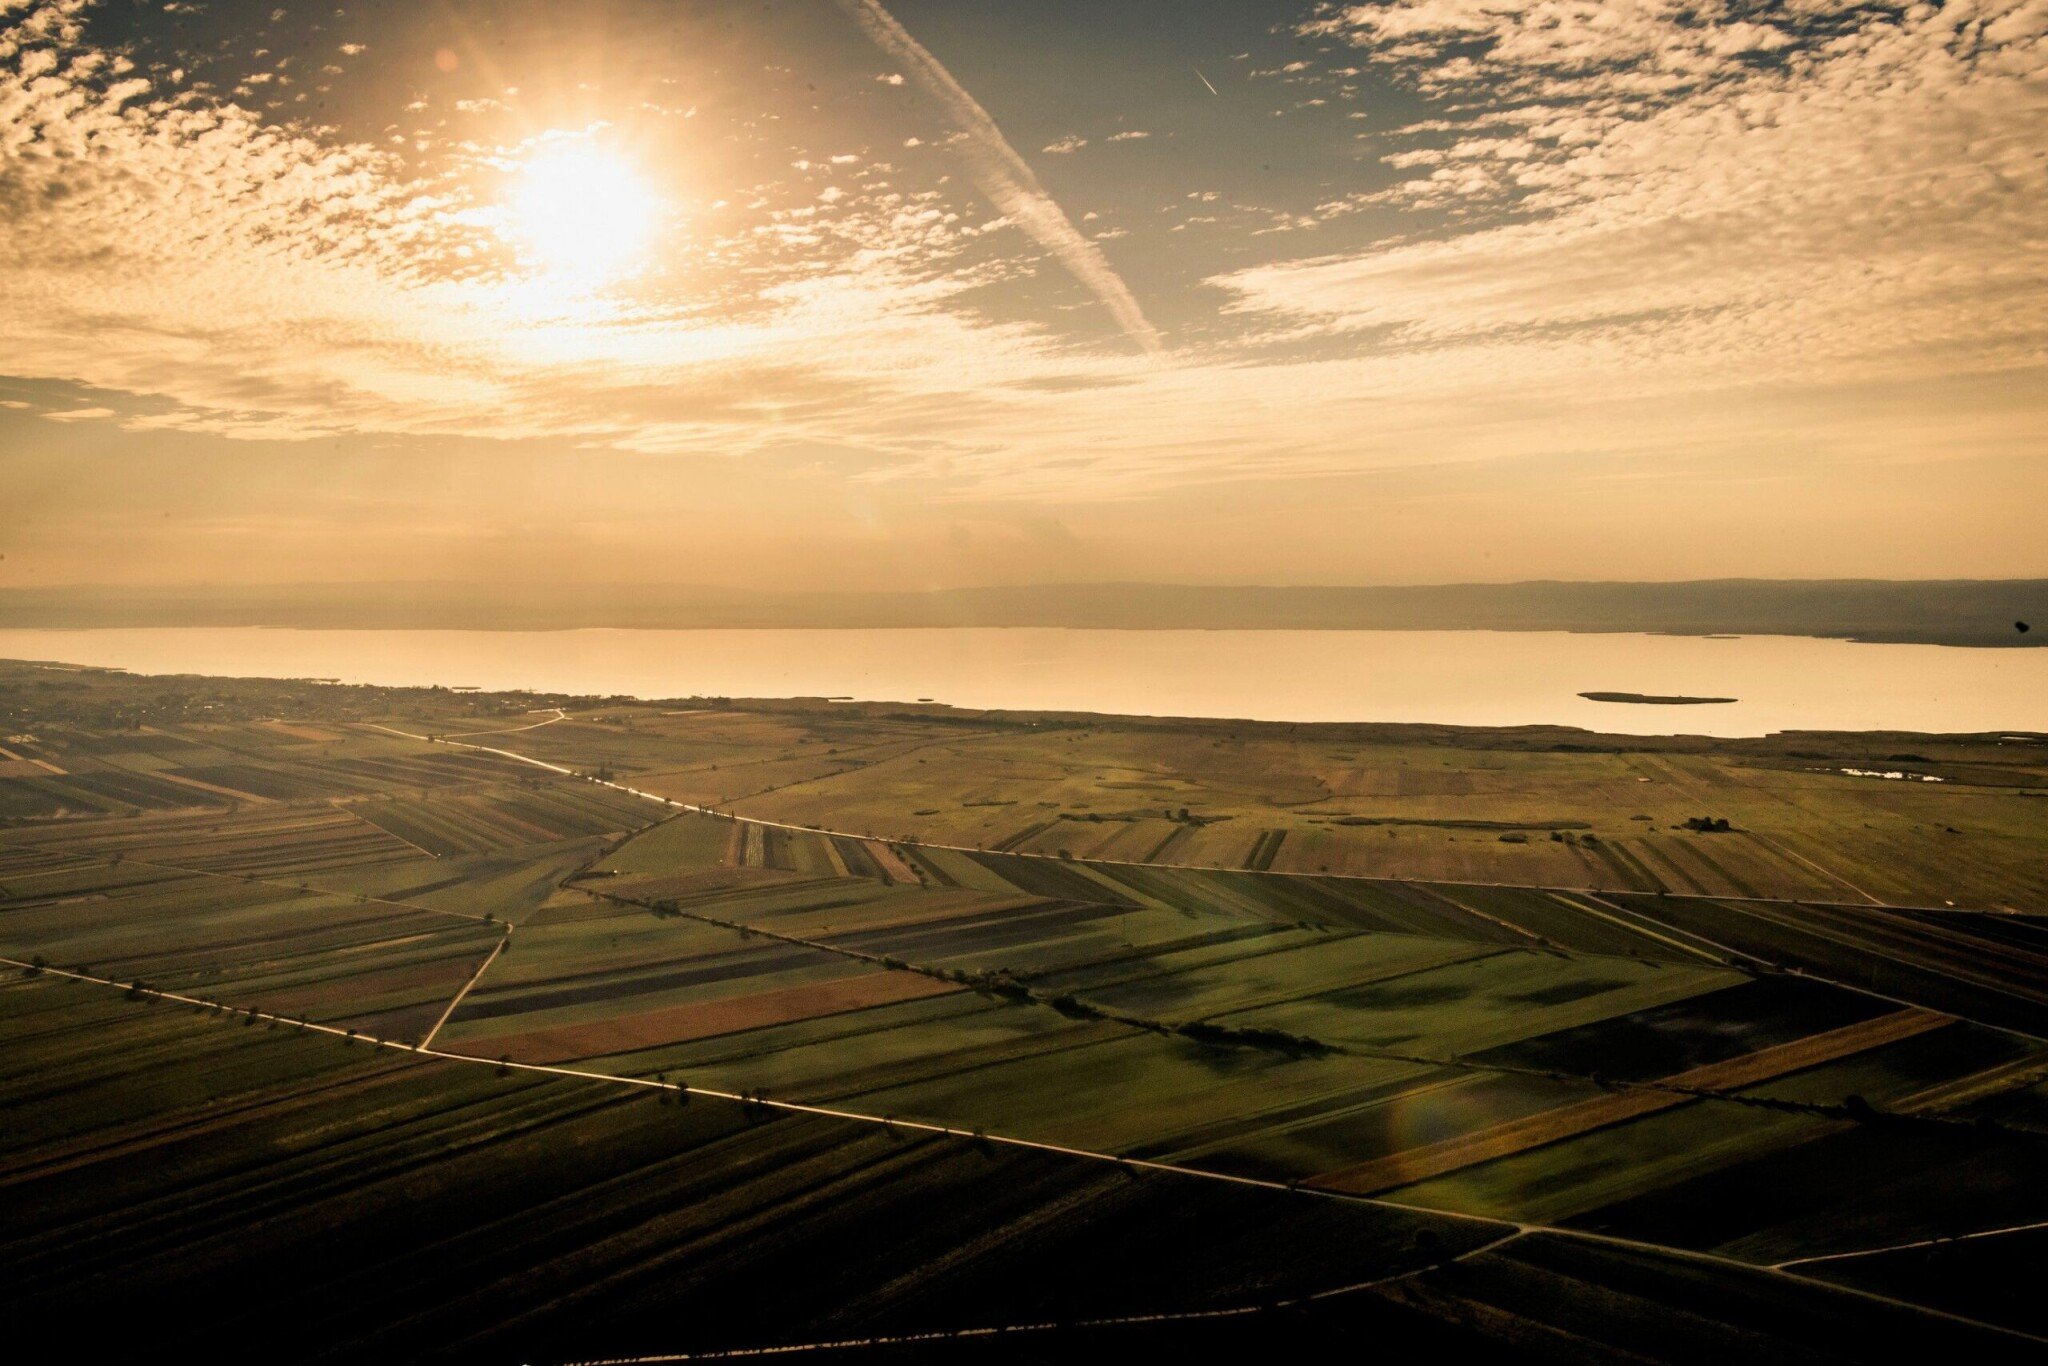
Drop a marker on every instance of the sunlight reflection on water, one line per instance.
(1478, 678)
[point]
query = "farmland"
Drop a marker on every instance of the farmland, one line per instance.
(1533, 806)
(706, 994)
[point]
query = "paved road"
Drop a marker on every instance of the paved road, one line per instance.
(1017, 1329)
(559, 715)
(478, 976)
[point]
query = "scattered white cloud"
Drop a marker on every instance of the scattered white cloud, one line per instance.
(1681, 195)
(1723, 218)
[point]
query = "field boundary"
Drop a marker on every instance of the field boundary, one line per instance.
(683, 806)
(1055, 1325)
(1510, 1227)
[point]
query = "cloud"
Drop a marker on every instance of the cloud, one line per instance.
(1682, 195)
(249, 281)
(1069, 143)
(1009, 182)
(1761, 256)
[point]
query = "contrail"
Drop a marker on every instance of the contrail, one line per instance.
(1204, 80)
(1005, 177)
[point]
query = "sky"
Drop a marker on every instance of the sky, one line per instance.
(932, 293)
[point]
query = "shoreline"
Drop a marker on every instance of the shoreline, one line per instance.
(1942, 640)
(1561, 736)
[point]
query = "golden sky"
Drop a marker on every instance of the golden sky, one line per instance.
(832, 294)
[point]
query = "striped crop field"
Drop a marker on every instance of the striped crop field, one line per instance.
(437, 1054)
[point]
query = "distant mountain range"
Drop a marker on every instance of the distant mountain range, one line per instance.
(1947, 612)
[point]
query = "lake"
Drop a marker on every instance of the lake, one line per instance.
(1471, 678)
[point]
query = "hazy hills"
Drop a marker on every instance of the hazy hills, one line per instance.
(1953, 612)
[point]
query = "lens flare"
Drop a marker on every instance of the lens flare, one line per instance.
(581, 214)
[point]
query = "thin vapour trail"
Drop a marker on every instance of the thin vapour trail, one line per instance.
(1005, 177)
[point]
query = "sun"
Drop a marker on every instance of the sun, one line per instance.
(580, 213)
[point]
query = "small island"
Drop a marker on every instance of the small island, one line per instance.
(1650, 700)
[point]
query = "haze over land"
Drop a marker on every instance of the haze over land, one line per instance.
(1998, 613)
(810, 297)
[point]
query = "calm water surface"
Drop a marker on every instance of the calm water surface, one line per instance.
(1475, 678)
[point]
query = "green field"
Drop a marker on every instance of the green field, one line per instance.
(477, 1002)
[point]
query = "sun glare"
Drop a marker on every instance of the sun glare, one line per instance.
(582, 214)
